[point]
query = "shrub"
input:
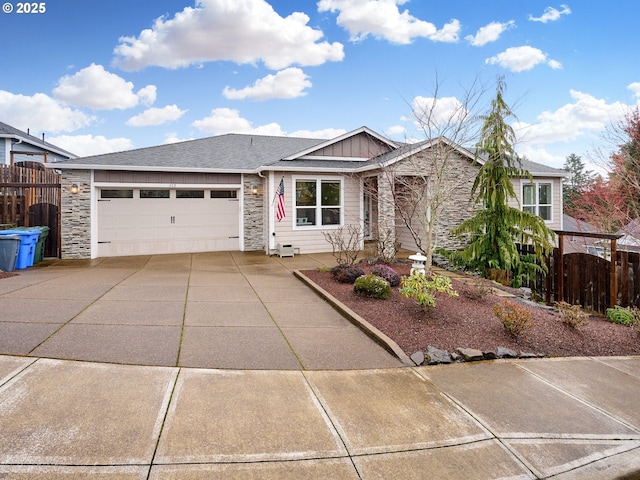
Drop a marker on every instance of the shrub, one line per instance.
(423, 288)
(372, 286)
(388, 273)
(572, 315)
(515, 317)
(346, 273)
(503, 277)
(477, 292)
(624, 316)
(345, 244)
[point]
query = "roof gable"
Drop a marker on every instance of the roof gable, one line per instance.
(361, 144)
(407, 150)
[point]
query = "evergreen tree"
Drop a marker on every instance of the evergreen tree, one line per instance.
(495, 230)
(578, 181)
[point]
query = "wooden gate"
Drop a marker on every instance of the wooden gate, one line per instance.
(593, 282)
(30, 196)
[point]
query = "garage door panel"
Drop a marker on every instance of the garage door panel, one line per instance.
(146, 226)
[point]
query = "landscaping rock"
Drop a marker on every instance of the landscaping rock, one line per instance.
(470, 354)
(489, 355)
(434, 356)
(502, 352)
(418, 358)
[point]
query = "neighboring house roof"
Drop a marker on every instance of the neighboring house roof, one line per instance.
(631, 234)
(7, 131)
(254, 153)
(571, 224)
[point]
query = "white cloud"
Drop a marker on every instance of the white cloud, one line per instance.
(173, 138)
(94, 87)
(227, 120)
(519, 59)
(430, 113)
(327, 133)
(555, 64)
(245, 31)
(147, 95)
(87, 145)
(551, 14)
(289, 83)
(489, 33)
(40, 113)
(540, 155)
(396, 131)
(586, 115)
(635, 88)
(383, 19)
(156, 116)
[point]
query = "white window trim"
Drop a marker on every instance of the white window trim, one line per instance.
(318, 179)
(536, 184)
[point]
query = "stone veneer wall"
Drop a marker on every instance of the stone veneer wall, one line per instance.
(76, 215)
(460, 173)
(254, 217)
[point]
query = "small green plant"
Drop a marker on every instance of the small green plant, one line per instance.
(515, 317)
(424, 287)
(572, 315)
(388, 273)
(372, 286)
(346, 273)
(624, 316)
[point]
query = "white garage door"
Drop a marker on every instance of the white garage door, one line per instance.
(133, 221)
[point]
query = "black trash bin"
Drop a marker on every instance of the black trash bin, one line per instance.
(9, 248)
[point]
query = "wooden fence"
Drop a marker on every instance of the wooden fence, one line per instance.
(30, 197)
(587, 280)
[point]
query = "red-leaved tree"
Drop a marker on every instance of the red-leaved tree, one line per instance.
(602, 206)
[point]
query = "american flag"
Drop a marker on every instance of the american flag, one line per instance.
(280, 214)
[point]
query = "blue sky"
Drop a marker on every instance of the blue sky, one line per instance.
(101, 76)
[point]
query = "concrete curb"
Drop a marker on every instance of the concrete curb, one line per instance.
(380, 338)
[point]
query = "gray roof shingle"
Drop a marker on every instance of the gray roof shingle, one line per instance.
(251, 153)
(235, 152)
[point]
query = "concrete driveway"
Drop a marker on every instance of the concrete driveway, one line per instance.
(212, 310)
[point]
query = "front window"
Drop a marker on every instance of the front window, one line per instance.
(536, 199)
(318, 202)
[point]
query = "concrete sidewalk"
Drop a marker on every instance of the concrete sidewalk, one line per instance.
(285, 387)
(563, 419)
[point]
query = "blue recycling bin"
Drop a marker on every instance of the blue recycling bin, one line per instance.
(27, 248)
(9, 248)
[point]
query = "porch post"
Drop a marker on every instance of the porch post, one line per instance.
(386, 215)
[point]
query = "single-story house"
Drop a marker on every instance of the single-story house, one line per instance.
(225, 192)
(22, 148)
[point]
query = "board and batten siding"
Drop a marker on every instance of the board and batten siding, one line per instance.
(311, 239)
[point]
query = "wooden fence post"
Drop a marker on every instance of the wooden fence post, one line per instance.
(561, 268)
(613, 291)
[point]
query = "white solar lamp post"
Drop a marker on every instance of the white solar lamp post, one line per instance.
(418, 263)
